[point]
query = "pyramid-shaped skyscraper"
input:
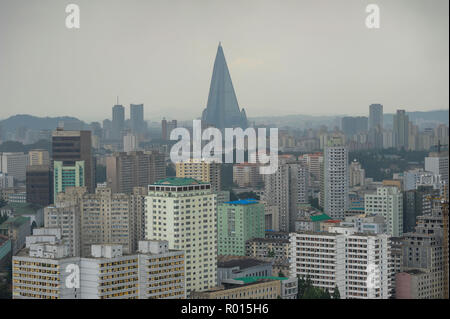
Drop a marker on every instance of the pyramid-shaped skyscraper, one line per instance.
(223, 110)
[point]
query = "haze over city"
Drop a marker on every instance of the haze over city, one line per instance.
(289, 57)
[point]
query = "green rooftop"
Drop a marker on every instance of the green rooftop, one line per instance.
(249, 280)
(319, 218)
(178, 181)
(15, 221)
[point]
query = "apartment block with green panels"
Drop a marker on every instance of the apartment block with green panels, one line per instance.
(67, 174)
(237, 222)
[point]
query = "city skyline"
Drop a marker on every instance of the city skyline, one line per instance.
(277, 49)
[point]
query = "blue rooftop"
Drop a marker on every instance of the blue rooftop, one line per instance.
(248, 201)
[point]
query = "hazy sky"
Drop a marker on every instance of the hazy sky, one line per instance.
(285, 56)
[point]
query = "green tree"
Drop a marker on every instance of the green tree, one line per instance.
(336, 293)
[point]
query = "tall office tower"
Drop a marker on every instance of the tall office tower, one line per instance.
(388, 202)
(39, 270)
(39, 184)
(223, 110)
(118, 122)
(376, 125)
(66, 216)
(14, 164)
(135, 169)
(166, 128)
(247, 175)
(130, 143)
(357, 264)
(335, 178)
(287, 188)
(107, 129)
(357, 174)
(237, 222)
(401, 129)
(416, 203)
(66, 174)
(74, 146)
(202, 171)
(137, 118)
(375, 116)
(38, 157)
(424, 258)
(183, 212)
(437, 163)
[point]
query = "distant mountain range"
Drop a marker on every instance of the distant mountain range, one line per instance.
(40, 123)
(423, 119)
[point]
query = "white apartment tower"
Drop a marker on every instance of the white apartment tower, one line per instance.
(182, 211)
(388, 202)
(335, 178)
(357, 264)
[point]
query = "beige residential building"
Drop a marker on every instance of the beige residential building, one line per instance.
(247, 175)
(38, 157)
(124, 171)
(202, 171)
(107, 218)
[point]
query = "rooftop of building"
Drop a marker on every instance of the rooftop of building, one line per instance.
(242, 262)
(249, 280)
(269, 240)
(178, 181)
(320, 217)
(248, 201)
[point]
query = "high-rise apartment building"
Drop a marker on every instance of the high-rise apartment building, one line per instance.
(208, 172)
(106, 217)
(287, 188)
(183, 212)
(70, 147)
(335, 179)
(124, 171)
(118, 122)
(166, 128)
(388, 202)
(375, 116)
(247, 175)
(137, 118)
(357, 175)
(401, 130)
(66, 216)
(237, 222)
(437, 163)
(376, 125)
(424, 252)
(357, 264)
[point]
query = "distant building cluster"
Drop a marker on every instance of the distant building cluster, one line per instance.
(103, 213)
